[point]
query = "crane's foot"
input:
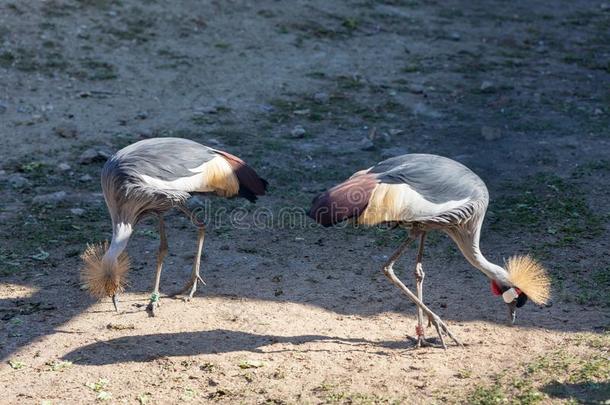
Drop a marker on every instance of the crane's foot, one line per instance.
(191, 286)
(152, 309)
(421, 338)
(422, 342)
(153, 305)
(442, 328)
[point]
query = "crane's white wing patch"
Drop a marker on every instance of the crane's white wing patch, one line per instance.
(215, 175)
(399, 202)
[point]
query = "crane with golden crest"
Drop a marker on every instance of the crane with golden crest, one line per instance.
(425, 193)
(150, 177)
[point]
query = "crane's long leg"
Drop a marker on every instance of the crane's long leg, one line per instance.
(161, 253)
(195, 276)
(388, 270)
(419, 281)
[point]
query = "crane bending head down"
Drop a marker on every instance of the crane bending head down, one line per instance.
(428, 192)
(151, 177)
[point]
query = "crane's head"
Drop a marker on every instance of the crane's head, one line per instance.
(101, 274)
(528, 279)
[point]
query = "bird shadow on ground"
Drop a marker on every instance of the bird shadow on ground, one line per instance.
(587, 393)
(26, 319)
(144, 348)
(340, 290)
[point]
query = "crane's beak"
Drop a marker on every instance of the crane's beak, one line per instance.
(512, 311)
(511, 296)
(115, 302)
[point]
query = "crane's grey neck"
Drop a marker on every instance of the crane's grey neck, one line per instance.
(121, 232)
(467, 239)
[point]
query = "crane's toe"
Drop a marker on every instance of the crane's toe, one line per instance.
(191, 287)
(152, 309)
(154, 304)
(423, 342)
(441, 328)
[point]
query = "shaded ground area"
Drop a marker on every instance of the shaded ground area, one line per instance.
(308, 93)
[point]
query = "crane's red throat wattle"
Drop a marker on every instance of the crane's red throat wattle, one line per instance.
(495, 288)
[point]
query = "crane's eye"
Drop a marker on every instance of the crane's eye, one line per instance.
(521, 300)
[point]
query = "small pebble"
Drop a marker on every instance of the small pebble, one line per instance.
(66, 130)
(18, 181)
(486, 85)
(321, 98)
(63, 167)
(491, 133)
(144, 133)
(424, 110)
(298, 132)
(366, 144)
(266, 107)
(85, 178)
(77, 211)
(207, 110)
(50, 199)
(416, 88)
(93, 155)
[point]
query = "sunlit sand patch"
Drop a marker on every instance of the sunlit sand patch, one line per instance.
(14, 291)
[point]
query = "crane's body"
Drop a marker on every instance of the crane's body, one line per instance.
(151, 177)
(428, 192)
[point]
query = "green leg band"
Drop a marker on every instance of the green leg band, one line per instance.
(154, 298)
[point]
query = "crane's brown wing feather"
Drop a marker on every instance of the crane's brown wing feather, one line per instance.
(343, 201)
(250, 184)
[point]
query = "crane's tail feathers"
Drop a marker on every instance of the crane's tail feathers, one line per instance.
(343, 201)
(250, 184)
(529, 276)
(100, 280)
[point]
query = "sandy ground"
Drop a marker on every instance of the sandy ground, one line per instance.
(298, 314)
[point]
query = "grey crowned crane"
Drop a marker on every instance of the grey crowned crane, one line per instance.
(150, 177)
(424, 193)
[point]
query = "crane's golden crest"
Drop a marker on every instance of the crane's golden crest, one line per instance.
(99, 280)
(530, 277)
